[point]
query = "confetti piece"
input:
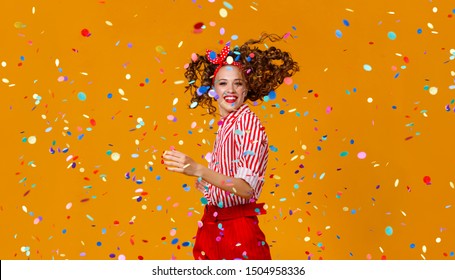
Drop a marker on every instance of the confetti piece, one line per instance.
(272, 95)
(361, 155)
(223, 12)
(427, 180)
(160, 49)
(338, 33)
(115, 156)
(228, 5)
(433, 90)
(82, 96)
(31, 140)
(19, 25)
(391, 35)
(367, 67)
(198, 27)
(288, 81)
(388, 230)
(85, 32)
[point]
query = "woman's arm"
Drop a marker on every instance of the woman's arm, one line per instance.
(176, 161)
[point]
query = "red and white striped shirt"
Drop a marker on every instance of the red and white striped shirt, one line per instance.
(240, 151)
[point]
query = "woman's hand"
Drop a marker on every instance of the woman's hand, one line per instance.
(176, 161)
(200, 185)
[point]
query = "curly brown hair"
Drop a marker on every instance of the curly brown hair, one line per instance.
(265, 71)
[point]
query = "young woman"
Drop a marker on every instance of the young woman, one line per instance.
(233, 181)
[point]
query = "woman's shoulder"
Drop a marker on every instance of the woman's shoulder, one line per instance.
(249, 119)
(248, 115)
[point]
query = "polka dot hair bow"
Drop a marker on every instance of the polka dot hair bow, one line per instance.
(222, 59)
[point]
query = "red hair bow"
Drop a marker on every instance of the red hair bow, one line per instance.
(221, 60)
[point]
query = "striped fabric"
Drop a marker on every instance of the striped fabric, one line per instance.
(240, 151)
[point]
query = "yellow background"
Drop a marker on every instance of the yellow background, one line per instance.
(324, 202)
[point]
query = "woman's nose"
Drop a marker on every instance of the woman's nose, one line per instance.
(230, 88)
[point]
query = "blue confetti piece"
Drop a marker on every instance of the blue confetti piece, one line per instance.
(367, 67)
(389, 230)
(272, 95)
(249, 153)
(212, 55)
(338, 33)
(391, 35)
(82, 96)
(228, 5)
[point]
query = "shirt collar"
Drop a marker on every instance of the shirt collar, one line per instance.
(232, 116)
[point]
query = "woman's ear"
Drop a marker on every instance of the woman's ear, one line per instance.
(245, 94)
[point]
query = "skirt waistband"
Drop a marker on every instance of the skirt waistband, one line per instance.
(214, 213)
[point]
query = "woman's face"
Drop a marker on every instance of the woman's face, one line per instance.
(231, 88)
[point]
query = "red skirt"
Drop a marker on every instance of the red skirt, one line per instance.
(231, 233)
